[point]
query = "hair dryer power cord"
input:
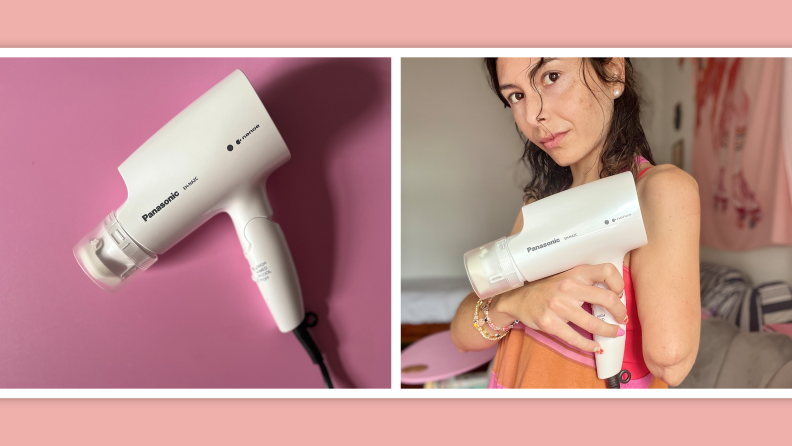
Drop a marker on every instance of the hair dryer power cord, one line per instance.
(310, 321)
(614, 381)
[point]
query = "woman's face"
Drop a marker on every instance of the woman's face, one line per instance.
(570, 120)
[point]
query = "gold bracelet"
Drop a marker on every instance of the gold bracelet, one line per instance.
(477, 323)
(485, 309)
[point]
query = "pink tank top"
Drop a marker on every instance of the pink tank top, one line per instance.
(633, 351)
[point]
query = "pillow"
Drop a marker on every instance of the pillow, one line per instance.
(769, 303)
(723, 290)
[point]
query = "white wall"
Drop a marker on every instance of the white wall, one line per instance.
(664, 83)
(454, 129)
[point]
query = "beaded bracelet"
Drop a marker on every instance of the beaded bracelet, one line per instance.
(487, 319)
(477, 323)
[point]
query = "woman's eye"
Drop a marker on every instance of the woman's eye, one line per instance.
(515, 97)
(550, 78)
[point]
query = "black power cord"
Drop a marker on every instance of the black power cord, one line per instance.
(310, 321)
(614, 381)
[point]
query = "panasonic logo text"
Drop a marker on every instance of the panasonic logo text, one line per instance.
(164, 203)
(551, 242)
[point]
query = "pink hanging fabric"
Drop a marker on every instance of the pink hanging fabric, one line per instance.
(739, 154)
(786, 119)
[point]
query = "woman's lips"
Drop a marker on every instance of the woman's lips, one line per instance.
(552, 141)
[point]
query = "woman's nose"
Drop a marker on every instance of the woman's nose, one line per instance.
(535, 113)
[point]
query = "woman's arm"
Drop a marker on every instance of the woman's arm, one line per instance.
(547, 305)
(665, 273)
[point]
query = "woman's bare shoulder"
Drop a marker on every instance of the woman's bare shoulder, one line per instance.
(668, 189)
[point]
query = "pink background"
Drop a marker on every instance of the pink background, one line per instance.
(407, 23)
(397, 422)
(195, 319)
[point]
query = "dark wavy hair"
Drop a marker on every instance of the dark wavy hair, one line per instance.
(624, 140)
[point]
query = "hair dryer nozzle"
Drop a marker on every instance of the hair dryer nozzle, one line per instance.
(491, 269)
(110, 256)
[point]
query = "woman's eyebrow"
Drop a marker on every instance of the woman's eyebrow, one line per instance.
(545, 61)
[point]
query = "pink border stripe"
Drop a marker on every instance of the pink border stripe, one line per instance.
(556, 345)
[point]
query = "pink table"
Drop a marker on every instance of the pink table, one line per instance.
(435, 357)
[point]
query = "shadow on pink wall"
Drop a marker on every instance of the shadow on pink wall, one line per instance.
(311, 107)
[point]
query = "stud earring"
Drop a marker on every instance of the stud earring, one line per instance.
(616, 93)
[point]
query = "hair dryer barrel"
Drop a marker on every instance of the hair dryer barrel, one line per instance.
(188, 171)
(109, 256)
(214, 156)
(491, 269)
(588, 225)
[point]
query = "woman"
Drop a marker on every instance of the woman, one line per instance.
(580, 121)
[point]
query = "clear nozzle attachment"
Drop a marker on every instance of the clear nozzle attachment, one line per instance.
(110, 256)
(491, 269)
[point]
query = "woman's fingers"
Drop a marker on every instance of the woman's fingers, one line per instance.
(603, 273)
(569, 335)
(592, 324)
(605, 298)
(610, 299)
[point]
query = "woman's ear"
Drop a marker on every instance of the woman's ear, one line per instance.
(616, 68)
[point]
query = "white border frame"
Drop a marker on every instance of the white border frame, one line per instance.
(396, 54)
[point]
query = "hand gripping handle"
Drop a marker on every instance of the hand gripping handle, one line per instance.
(609, 363)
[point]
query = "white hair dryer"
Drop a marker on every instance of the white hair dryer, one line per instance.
(595, 223)
(214, 156)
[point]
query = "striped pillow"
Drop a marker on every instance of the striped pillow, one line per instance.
(769, 303)
(723, 289)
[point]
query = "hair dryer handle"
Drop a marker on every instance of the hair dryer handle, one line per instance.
(270, 260)
(609, 363)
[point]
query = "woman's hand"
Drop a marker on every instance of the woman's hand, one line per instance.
(547, 305)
